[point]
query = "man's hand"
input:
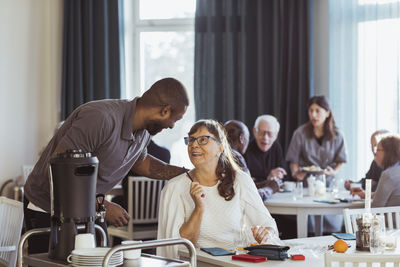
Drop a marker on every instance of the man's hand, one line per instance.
(357, 191)
(115, 214)
(277, 173)
(347, 184)
(274, 184)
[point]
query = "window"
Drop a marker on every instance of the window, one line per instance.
(159, 43)
(365, 73)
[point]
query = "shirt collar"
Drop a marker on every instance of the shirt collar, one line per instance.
(127, 126)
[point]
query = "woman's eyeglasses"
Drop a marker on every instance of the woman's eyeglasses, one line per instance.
(201, 140)
(376, 149)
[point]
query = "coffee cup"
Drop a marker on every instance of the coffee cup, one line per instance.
(289, 186)
(85, 241)
(131, 254)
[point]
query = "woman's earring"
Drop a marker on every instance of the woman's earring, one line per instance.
(218, 155)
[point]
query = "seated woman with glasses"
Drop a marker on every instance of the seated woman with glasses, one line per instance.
(212, 203)
(387, 156)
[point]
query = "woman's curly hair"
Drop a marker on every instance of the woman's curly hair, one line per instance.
(227, 166)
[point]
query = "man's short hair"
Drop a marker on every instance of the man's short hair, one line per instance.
(167, 91)
(269, 119)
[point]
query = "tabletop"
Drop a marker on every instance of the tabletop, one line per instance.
(313, 248)
(284, 203)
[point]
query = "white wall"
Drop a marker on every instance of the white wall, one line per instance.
(30, 80)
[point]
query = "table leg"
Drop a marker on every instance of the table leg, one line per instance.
(319, 225)
(302, 220)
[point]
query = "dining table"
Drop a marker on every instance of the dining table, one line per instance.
(313, 249)
(285, 203)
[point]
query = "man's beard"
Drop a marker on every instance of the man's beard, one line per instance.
(154, 127)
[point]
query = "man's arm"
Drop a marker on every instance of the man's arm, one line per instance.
(156, 169)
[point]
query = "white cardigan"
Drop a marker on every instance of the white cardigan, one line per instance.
(222, 220)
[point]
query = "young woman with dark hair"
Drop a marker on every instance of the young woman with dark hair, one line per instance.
(317, 142)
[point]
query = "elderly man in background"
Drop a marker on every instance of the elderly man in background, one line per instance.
(264, 156)
(238, 137)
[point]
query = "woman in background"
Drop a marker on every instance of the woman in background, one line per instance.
(210, 204)
(387, 156)
(317, 142)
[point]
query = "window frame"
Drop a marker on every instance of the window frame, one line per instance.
(134, 26)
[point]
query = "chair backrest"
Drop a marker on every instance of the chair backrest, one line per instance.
(343, 259)
(392, 217)
(144, 194)
(11, 220)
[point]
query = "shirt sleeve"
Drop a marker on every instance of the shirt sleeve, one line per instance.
(88, 130)
(254, 209)
(341, 153)
(170, 219)
(383, 191)
(293, 153)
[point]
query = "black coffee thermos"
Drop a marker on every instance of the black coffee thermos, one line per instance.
(73, 177)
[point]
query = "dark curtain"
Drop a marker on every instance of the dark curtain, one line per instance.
(92, 52)
(253, 58)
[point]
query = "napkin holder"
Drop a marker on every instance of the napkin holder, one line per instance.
(272, 252)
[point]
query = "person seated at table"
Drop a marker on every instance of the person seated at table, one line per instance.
(387, 156)
(264, 156)
(374, 172)
(238, 137)
(318, 143)
(211, 203)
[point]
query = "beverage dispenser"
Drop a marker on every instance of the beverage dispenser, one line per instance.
(73, 176)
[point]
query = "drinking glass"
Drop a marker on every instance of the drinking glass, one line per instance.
(298, 191)
(320, 185)
(334, 187)
(377, 243)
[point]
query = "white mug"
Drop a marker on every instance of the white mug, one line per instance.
(289, 186)
(131, 254)
(85, 241)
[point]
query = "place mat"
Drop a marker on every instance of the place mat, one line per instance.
(335, 201)
(344, 236)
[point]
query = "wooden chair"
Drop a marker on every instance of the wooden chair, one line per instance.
(11, 220)
(375, 260)
(392, 217)
(143, 202)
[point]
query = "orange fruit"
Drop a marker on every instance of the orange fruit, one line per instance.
(340, 246)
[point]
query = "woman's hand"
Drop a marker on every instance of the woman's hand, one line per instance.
(261, 234)
(357, 191)
(197, 194)
(300, 175)
(329, 171)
